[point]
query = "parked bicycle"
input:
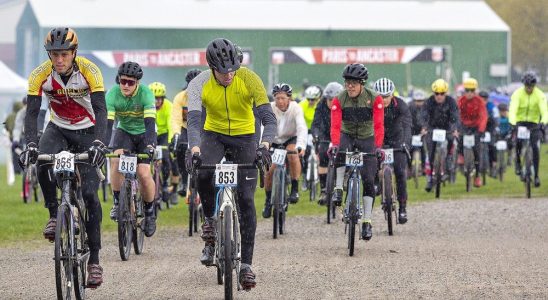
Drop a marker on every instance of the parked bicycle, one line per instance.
(131, 216)
(227, 240)
(71, 252)
(352, 212)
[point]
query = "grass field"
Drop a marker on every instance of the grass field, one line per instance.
(24, 222)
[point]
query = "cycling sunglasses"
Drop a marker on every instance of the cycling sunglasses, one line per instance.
(439, 94)
(127, 82)
(470, 90)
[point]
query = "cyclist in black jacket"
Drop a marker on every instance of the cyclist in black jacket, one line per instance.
(321, 132)
(439, 112)
(415, 108)
(397, 134)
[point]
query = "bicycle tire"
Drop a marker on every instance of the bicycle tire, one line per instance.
(329, 186)
(353, 216)
(437, 170)
(416, 167)
(125, 230)
(191, 212)
(82, 254)
(282, 214)
(26, 184)
(501, 164)
(138, 232)
(528, 171)
(277, 190)
(468, 167)
(227, 251)
(387, 197)
(62, 253)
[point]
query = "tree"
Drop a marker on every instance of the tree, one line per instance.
(529, 24)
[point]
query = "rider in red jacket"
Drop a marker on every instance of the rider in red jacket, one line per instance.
(473, 118)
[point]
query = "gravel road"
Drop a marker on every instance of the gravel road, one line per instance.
(467, 249)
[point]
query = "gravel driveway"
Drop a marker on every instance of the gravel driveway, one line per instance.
(467, 249)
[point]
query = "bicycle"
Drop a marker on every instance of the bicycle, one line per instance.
(130, 206)
(329, 189)
(161, 195)
(312, 180)
(501, 146)
(29, 181)
(227, 255)
(484, 162)
(352, 212)
(105, 184)
(440, 155)
(528, 171)
(416, 166)
(388, 189)
(280, 190)
(468, 143)
(452, 161)
(71, 252)
(195, 210)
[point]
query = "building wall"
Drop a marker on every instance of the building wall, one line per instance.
(470, 51)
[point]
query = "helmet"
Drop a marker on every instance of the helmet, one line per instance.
(470, 84)
(355, 71)
(333, 89)
(158, 89)
(503, 107)
(239, 52)
(222, 56)
(384, 87)
(282, 87)
(419, 95)
(61, 38)
(313, 92)
(529, 78)
(483, 94)
(130, 69)
(191, 74)
(440, 86)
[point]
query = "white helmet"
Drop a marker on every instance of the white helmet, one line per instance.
(313, 92)
(384, 87)
(419, 95)
(333, 89)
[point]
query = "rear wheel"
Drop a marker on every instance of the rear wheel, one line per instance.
(468, 167)
(387, 195)
(80, 267)
(353, 216)
(125, 227)
(437, 170)
(528, 172)
(63, 254)
(329, 186)
(227, 251)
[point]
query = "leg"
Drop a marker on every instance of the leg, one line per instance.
(401, 184)
(294, 171)
(368, 172)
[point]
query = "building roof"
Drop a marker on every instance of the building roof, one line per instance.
(404, 15)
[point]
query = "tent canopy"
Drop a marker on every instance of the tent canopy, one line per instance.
(10, 82)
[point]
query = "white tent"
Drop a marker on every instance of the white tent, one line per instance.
(11, 84)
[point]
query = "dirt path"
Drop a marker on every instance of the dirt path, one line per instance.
(465, 249)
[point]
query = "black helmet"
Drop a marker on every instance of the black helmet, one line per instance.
(222, 56)
(484, 94)
(282, 87)
(61, 38)
(355, 71)
(503, 107)
(529, 78)
(130, 69)
(191, 74)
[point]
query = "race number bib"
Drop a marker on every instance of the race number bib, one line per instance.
(501, 145)
(438, 135)
(127, 164)
(354, 159)
(158, 153)
(469, 140)
(278, 157)
(416, 141)
(388, 156)
(226, 175)
(486, 137)
(523, 133)
(64, 161)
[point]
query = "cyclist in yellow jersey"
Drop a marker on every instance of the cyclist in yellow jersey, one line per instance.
(228, 93)
(179, 141)
(312, 96)
(528, 108)
(164, 133)
(74, 89)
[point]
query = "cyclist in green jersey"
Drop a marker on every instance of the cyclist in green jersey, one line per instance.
(132, 103)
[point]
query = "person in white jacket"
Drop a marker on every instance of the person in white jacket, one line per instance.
(291, 135)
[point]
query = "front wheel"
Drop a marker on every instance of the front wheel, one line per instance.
(227, 251)
(329, 186)
(125, 227)
(138, 232)
(63, 253)
(82, 255)
(387, 195)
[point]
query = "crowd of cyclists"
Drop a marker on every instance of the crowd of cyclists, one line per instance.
(225, 111)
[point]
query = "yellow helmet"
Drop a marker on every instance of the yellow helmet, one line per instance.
(440, 86)
(470, 84)
(158, 89)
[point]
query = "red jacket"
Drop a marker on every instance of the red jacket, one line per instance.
(473, 112)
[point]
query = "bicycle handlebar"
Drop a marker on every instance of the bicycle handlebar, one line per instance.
(78, 157)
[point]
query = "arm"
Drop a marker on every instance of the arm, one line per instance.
(269, 122)
(336, 122)
(42, 114)
(31, 118)
(513, 108)
(18, 127)
(169, 127)
(177, 113)
(423, 114)
(378, 121)
(405, 121)
(150, 133)
(302, 131)
(454, 116)
(543, 107)
(99, 109)
(316, 122)
(482, 117)
(194, 123)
